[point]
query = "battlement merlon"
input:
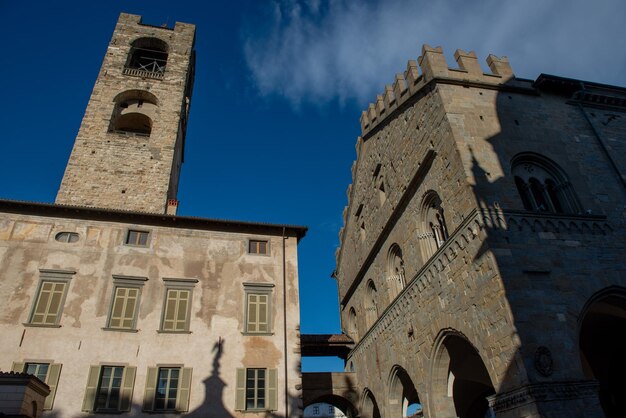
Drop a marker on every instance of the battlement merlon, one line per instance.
(131, 19)
(433, 65)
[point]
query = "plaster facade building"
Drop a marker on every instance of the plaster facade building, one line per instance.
(119, 305)
(481, 264)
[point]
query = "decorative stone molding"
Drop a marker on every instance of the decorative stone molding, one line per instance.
(543, 392)
(545, 222)
(423, 280)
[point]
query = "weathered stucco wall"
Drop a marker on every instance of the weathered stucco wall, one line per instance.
(219, 260)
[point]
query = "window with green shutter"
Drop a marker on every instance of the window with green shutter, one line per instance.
(176, 309)
(48, 373)
(177, 305)
(48, 303)
(125, 303)
(109, 389)
(258, 308)
(167, 389)
(256, 389)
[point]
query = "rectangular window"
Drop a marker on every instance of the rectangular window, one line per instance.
(109, 388)
(125, 302)
(256, 389)
(176, 309)
(258, 247)
(177, 305)
(258, 308)
(331, 410)
(137, 238)
(108, 396)
(46, 372)
(167, 389)
(50, 297)
(39, 370)
(258, 313)
(316, 410)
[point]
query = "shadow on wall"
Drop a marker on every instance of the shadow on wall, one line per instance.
(540, 232)
(212, 406)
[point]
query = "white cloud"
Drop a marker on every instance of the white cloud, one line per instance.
(319, 51)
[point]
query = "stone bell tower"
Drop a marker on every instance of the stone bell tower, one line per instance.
(129, 148)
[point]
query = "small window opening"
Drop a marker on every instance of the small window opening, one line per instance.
(137, 238)
(377, 169)
(258, 247)
(66, 237)
(359, 210)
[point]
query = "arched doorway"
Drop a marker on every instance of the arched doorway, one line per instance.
(603, 348)
(461, 383)
(331, 406)
(403, 398)
(369, 407)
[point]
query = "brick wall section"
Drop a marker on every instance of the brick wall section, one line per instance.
(112, 170)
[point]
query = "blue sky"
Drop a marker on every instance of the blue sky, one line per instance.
(278, 93)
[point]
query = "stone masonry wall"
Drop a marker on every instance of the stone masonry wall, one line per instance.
(117, 170)
(512, 282)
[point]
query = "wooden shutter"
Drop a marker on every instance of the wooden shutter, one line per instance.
(92, 387)
(251, 320)
(176, 308)
(52, 380)
(124, 308)
(184, 388)
(18, 366)
(272, 389)
(150, 392)
(263, 325)
(240, 394)
(126, 393)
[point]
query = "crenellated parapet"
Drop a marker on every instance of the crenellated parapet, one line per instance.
(432, 65)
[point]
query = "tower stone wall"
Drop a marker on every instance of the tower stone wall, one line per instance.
(129, 148)
(485, 217)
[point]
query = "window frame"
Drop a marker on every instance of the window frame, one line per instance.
(67, 235)
(51, 379)
(125, 282)
(270, 390)
(264, 289)
(50, 276)
(183, 390)
(138, 231)
(258, 241)
(94, 384)
(177, 284)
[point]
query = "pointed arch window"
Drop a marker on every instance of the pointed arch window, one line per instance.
(542, 185)
(395, 271)
(352, 325)
(371, 304)
(434, 231)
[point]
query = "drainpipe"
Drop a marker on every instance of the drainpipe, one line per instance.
(285, 347)
(599, 138)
